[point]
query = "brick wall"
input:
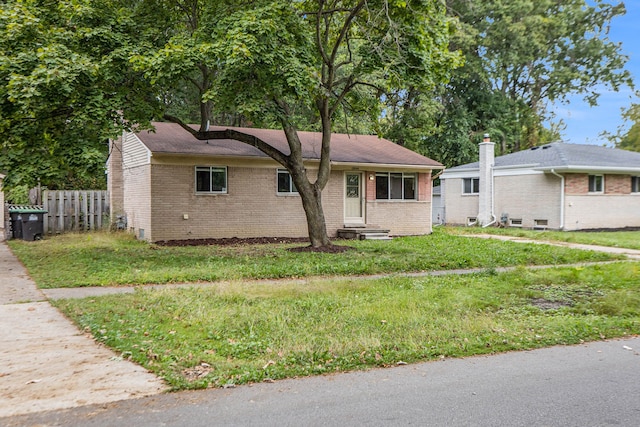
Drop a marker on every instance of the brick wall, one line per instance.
(402, 218)
(529, 198)
(591, 211)
(458, 207)
(137, 200)
(251, 207)
(617, 184)
(576, 183)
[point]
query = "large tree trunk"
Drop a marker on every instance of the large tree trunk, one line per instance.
(310, 193)
(316, 224)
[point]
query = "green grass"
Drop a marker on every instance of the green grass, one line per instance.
(238, 333)
(104, 259)
(620, 239)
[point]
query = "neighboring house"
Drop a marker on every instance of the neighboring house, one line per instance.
(171, 186)
(556, 186)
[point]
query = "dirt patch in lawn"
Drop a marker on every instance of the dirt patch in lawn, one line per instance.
(234, 241)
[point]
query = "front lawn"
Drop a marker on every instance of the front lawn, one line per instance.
(237, 333)
(107, 259)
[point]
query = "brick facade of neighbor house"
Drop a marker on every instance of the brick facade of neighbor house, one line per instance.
(617, 184)
(157, 188)
(531, 208)
(539, 202)
(576, 183)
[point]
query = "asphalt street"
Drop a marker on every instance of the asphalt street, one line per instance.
(595, 384)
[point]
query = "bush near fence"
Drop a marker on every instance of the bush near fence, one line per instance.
(82, 210)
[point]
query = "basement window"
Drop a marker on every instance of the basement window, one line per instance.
(540, 223)
(513, 222)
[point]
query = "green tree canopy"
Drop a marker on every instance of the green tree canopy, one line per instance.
(65, 88)
(519, 56)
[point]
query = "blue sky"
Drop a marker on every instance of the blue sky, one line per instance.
(583, 123)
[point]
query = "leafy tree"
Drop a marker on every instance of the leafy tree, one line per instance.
(519, 56)
(65, 88)
(293, 63)
(628, 139)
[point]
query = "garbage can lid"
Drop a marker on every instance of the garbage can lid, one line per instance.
(26, 209)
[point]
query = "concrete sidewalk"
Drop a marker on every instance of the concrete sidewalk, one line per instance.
(46, 362)
(630, 253)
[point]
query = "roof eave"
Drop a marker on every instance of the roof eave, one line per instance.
(591, 169)
(387, 166)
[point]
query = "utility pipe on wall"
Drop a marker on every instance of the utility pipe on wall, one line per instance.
(553, 171)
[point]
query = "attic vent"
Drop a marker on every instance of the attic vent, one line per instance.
(546, 146)
(534, 148)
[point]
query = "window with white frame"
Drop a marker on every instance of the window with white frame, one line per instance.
(596, 183)
(635, 184)
(396, 186)
(211, 179)
(470, 185)
(285, 183)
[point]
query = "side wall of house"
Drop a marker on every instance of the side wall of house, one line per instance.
(401, 218)
(615, 207)
(528, 200)
(137, 201)
(458, 207)
(136, 187)
(250, 208)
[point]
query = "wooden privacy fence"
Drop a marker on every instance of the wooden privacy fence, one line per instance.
(75, 211)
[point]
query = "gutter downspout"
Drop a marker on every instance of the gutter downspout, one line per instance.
(553, 171)
(493, 189)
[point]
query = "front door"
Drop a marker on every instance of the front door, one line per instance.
(353, 200)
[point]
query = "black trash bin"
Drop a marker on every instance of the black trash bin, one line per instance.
(27, 222)
(16, 224)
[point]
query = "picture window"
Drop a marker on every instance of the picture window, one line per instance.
(396, 186)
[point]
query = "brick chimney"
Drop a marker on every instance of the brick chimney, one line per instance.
(485, 202)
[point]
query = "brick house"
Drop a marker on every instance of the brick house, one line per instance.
(555, 186)
(171, 186)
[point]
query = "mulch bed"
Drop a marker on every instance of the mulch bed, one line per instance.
(228, 241)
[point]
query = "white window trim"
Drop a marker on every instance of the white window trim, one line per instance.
(292, 190)
(415, 177)
(471, 194)
(601, 191)
(211, 192)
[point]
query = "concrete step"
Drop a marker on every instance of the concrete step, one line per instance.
(375, 236)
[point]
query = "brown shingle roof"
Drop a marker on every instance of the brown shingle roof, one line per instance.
(170, 138)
